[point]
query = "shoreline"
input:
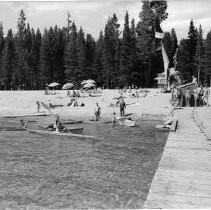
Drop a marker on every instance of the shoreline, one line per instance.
(154, 105)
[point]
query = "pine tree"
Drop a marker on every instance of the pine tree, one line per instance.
(128, 52)
(35, 58)
(146, 43)
(98, 64)
(8, 62)
(81, 55)
(1, 45)
(111, 51)
(183, 60)
(207, 60)
(192, 43)
(71, 62)
(22, 55)
(90, 57)
(58, 51)
(46, 65)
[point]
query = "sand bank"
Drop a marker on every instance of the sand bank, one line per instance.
(23, 102)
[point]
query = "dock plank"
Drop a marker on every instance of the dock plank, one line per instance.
(183, 178)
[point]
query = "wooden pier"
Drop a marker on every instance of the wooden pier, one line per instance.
(183, 178)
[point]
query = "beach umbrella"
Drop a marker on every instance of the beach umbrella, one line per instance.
(67, 86)
(90, 81)
(84, 82)
(89, 85)
(53, 84)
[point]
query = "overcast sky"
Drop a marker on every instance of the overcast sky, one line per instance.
(92, 15)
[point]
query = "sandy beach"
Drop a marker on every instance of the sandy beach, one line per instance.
(23, 103)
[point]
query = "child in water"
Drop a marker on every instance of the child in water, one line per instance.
(114, 119)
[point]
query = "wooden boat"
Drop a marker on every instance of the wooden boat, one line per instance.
(126, 122)
(12, 129)
(68, 134)
(129, 123)
(27, 115)
(72, 122)
(73, 130)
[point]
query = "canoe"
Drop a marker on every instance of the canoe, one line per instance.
(28, 115)
(12, 129)
(73, 130)
(123, 118)
(72, 122)
(68, 135)
(129, 123)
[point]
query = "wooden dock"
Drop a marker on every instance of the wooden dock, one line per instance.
(183, 178)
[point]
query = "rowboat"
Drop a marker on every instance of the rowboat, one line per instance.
(68, 134)
(26, 115)
(72, 122)
(73, 130)
(12, 129)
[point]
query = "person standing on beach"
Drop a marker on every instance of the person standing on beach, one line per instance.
(122, 106)
(97, 112)
(38, 106)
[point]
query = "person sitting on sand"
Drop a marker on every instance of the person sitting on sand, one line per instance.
(50, 105)
(97, 112)
(38, 106)
(114, 119)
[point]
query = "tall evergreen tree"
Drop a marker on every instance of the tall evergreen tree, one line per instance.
(90, 57)
(1, 45)
(128, 51)
(8, 62)
(146, 42)
(192, 43)
(81, 55)
(199, 57)
(99, 59)
(207, 60)
(71, 62)
(111, 51)
(35, 58)
(22, 55)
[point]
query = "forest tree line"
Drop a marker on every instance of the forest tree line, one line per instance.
(30, 59)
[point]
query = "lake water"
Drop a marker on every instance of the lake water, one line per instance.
(40, 172)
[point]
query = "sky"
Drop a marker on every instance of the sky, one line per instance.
(92, 15)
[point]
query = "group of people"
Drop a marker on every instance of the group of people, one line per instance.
(122, 106)
(191, 96)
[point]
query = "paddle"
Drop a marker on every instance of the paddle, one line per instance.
(46, 107)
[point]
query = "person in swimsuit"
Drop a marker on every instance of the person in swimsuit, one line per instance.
(97, 112)
(114, 119)
(122, 106)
